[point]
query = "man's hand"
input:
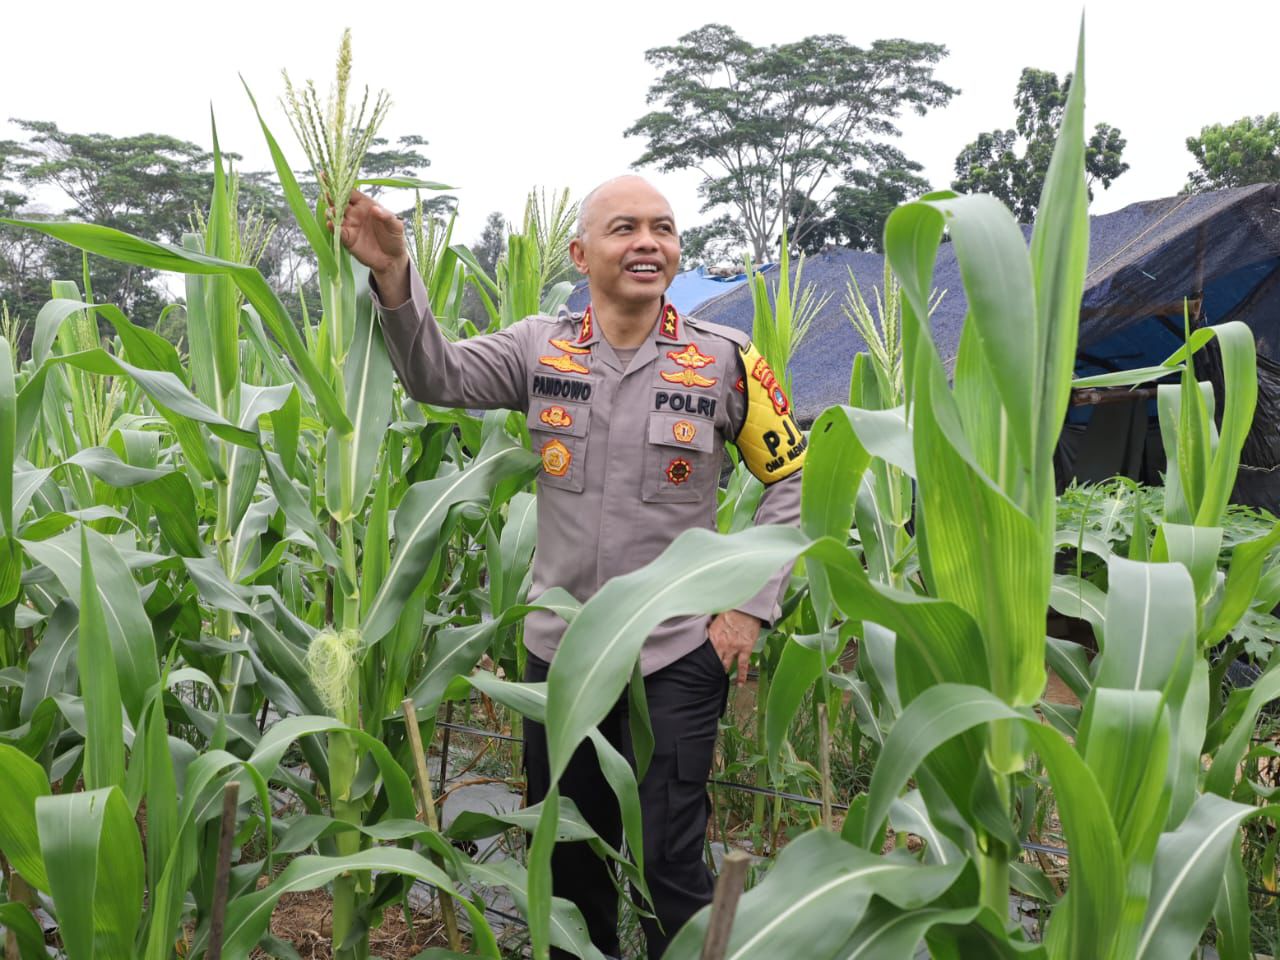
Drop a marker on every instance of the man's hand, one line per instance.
(734, 634)
(375, 236)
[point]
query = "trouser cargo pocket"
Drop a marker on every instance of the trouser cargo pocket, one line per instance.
(688, 805)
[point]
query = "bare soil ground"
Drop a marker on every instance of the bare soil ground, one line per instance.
(305, 920)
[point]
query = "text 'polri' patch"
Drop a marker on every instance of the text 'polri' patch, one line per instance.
(681, 402)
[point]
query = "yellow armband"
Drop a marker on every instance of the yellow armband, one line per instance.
(770, 441)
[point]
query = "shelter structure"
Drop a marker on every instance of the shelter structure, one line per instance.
(1219, 252)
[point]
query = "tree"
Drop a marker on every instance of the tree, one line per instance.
(147, 184)
(769, 127)
(860, 206)
(1235, 155)
(992, 163)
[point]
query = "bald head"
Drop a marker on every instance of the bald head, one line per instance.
(596, 203)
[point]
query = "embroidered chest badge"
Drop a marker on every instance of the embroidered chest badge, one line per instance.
(679, 470)
(690, 358)
(689, 378)
(556, 458)
(568, 346)
(564, 363)
(556, 416)
(682, 430)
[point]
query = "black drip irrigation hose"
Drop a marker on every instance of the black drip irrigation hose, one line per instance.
(793, 797)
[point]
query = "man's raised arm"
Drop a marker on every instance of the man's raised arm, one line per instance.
(482, 372)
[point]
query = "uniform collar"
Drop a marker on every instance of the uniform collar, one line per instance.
(667, 330)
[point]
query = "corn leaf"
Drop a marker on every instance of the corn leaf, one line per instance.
(1086, 923)
(116, 245)
(813, 898)
(22, 782)
(596, 654)
(422, 515)
(19, 922)
(93, 854)
(247, 916)
(1187, 873)
(99, 684)
(127, 624)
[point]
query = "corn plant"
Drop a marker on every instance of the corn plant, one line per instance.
(959, 657)
(303, 550)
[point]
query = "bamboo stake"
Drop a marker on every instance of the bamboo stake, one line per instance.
(724, 905)
(222, 878)
(428, 805)
(824, 763)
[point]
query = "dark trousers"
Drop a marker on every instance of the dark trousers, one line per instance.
(685, 700)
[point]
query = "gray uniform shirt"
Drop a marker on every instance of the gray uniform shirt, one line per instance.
(631, 457)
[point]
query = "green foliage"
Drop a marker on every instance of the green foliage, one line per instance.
(1011, 164)
(774, 128)
(1235, 154)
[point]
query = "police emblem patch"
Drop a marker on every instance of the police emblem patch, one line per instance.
(689, 378)
(556, 416)
(569, 347)
(690, 357)
(679, 470)
(556, 458)
(683, 431)
(564, 363)
(763, 373)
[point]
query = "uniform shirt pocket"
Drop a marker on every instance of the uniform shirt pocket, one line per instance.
(679, 459)
(558, 430)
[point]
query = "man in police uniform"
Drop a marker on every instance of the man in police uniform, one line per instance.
(629, 404)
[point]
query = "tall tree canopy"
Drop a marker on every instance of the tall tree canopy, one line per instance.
(779, 127)
(1237, 154)
(1011, 164)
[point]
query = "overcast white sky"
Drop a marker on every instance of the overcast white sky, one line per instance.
(516, 95)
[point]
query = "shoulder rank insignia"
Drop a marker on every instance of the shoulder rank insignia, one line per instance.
(682, 430)
(670, 322)
(690, 357)
(556, 416)
(770, 440)
(585, 335)
(568, 346)
(679, 470)
(556, 458)
(564, 363)
(689, 378)
(741, 385)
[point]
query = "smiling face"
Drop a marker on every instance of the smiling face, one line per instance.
(627, 244)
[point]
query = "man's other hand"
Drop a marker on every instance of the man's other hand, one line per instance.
(734, 634)
(375, 236)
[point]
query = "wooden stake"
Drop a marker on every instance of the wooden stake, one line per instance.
(222, 878)
(724, 905)
(428, 808)
(824, 764)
